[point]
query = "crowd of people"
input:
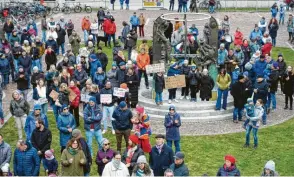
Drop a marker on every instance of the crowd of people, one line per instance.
(80, 81)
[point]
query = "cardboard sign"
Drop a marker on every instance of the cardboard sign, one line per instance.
(54, 95)
(85, 98)
(71, 95)
(155, 68)
(119, 92)
(105, 98)
(42, 101)
(175, 82)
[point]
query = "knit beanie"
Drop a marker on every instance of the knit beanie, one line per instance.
(142, 159)
(248, 66)
(49, 154)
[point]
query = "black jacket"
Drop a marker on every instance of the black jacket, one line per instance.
(63, 98)
(206, 86)
(138, 152)
(159, 83)
(17, 52)
(35, 77)
(103, 59)
(120, 76)
(194, 78)
(41, 140)
(273, 80)
(8, 28)
(86, 150)
(238, 92)
(289, 85)
(282, 67)
(35, 52)
(22, 83)
(50, 59)
(81, 77)
(60, 36)
(133, 87)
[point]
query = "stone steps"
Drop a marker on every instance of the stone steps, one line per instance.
(195, 119)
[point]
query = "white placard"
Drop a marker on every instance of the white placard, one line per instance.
(155, 68)
(119, 92)
(105, 98)
(85, 98)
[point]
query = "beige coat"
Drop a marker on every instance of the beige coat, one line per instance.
(142, 20)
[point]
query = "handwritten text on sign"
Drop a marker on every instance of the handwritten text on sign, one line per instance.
(175, 82)
(105, 98)
(119, 92)
(155, 68)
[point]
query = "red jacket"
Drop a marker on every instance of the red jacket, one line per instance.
(267, 48)
(238, 38)
(109, 27)
(75, 103)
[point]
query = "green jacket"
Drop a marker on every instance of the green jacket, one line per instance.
(224, 82)
(76, 167)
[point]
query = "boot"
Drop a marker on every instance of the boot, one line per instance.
(291, 107)
(286, 107)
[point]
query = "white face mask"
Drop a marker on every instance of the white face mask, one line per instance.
(116, 163)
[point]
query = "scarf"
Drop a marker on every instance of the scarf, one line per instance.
(139, 172)
(159, 148)
(72, 151)
(130, 153)
(231, 168)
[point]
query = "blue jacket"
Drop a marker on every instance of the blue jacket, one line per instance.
(93, 67)
(262, 90)
(64, 122)
(260, 66)
(4, 66)
(122, 119)
(26, 63)
(172, 71)
(172, 128)
(51, 165)
(254, 34)
(180, 170)
(252, 74)
(99, 79)
(26, 163)
(159, 162)
(92, 116)
(274, 11)
(222, 55)
(30, 124)
(134, 21)
(53, 44)
(233, 171)
(235, 75)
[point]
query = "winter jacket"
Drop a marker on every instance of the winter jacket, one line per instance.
(142, 20)
(76, 167)
(50, 58)
(254, 34)
(111, 76)
(5, 154)
(172, 128)
(26, 163)
(262, 24)
(97, 96)
(229, 65)
(258, 113)
(273, 81)
(101, 15)
(238, 38)
(93, 67)
(135, 21)
(30, 124)
(13, 39)
(259, 67)
(159, 162)
(133, 161)
(172, 71)
(225, 171)
(206, 86)
(24, 36)
(125, 31)
(239, 94)
(4, 66)
(51, 165)
(194, 78)
(75, 40)
(289, 85)
(132, 40)
(34, 27)
(180, 170)
(239, 57)
(19, 107)
(86, 24)
(133, 87)
(65, 121)
(282, 67)
(102, 57)
(53, 45)
(61, 36)
(235, 75)
(76, 102)
(80, 76)
(267, 48)
(110, 170)
(273, 30)
(262, 91)
(17, 52)
(159, 83)
(272, 167)
(109, 27)
(92, 117)
(22, 83)
(223, 82)
(122, 119)
(222, 55)
(142, 61)
(120, 76)
(35, 52)
(8, 28)
(26, 63)
(101, 154)
(41, 140)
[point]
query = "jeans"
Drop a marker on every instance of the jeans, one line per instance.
(282, 18)
(172, 93)
(127, 6)
(98, 137)
(140, 72)
(1, 110)
(274, 41)
(272, 99)
(44, 108)
(254, 130)
(180, 8)
(158, 97)
(238, 112)
(119, 134)
(171, 6)
(141, 30)
(129, 52)
(55, 112)
(121, 5)
(43, 35)
(8, 36)
(107, 115)
(109, 36)
(86, 34)
(20, 123)
(135, 28)
(264, 116)
(185, 9)
(211, 9)
(24, 93)
(37, 62)
(16, 65)
(221, 94)
(177, 145)
(62, 48)
(75, 113)
(5, 80)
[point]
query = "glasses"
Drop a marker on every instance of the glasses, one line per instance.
(65, 109)
(107, 144)
(37, 109)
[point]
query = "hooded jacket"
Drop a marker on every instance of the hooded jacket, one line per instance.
(19, 107)
(30, 124)
(5, 154)
(92, 117)
(86, 24)
(271, 166)
(27, 162)
(99, 79)
(262, 90)
(95, 63)
(122, 119)
(260, 66)
(65, 121)
(180, 170)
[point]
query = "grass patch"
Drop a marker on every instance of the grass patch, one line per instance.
(204, 154)
(288, 54)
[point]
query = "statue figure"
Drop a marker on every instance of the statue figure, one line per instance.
(206, 54)
(206, 33)
(193, 6)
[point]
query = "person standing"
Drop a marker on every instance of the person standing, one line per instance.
(41, 138)
(69, 26)
(173, 71)
(161, 156)
(172, 124)
(92, 123)
(179, 167)
(288, 87)
(109, 27)
(80, 76)
(8, 28)
(5, 152)
(86, 24)
(135, 22)
(141, 25)
(290, 25)
(73, 159)
(77, 134)
(102, 58)
(60, 38)
(239, 94)
(273, 30)
(171, 5)
(261, 92)
(229, 168)
(44, 28)
(74, 41)
(131, 42)
(74, 104)
(50, 58)
(100, 16)
(159, 86)
(193, 82)
(185, 70)
(273, 81)
(206, 86)
(122, 123)
(104, 155)
(66, 124)
(131, 79)
(115, 167)
(26, 161)
(19, 108)
(282, 69)
(223, 82)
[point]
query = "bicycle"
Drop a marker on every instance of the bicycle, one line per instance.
(205, 5)
(78, 8)
(66, 9)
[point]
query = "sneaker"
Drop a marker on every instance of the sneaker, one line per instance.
(235, 121)
(246, 145)
(176, 100)
(169, 101)
(187, 97)
(182, 97)
(113, 132)
(104, 131)
(2, 121)
(147, 87)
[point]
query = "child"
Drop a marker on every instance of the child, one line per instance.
(159, 86)
(249, 108)
(267, 71)
(50, 163)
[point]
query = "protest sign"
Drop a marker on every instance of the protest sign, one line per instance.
(119, 92)
(105, 98)
(85, 98)
(54, 95)
(71, 95)
(175, 82)
(155, 68)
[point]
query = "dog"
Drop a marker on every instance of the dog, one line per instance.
(102, 38)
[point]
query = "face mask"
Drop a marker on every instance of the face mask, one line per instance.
(116, 163)
(38, 128)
